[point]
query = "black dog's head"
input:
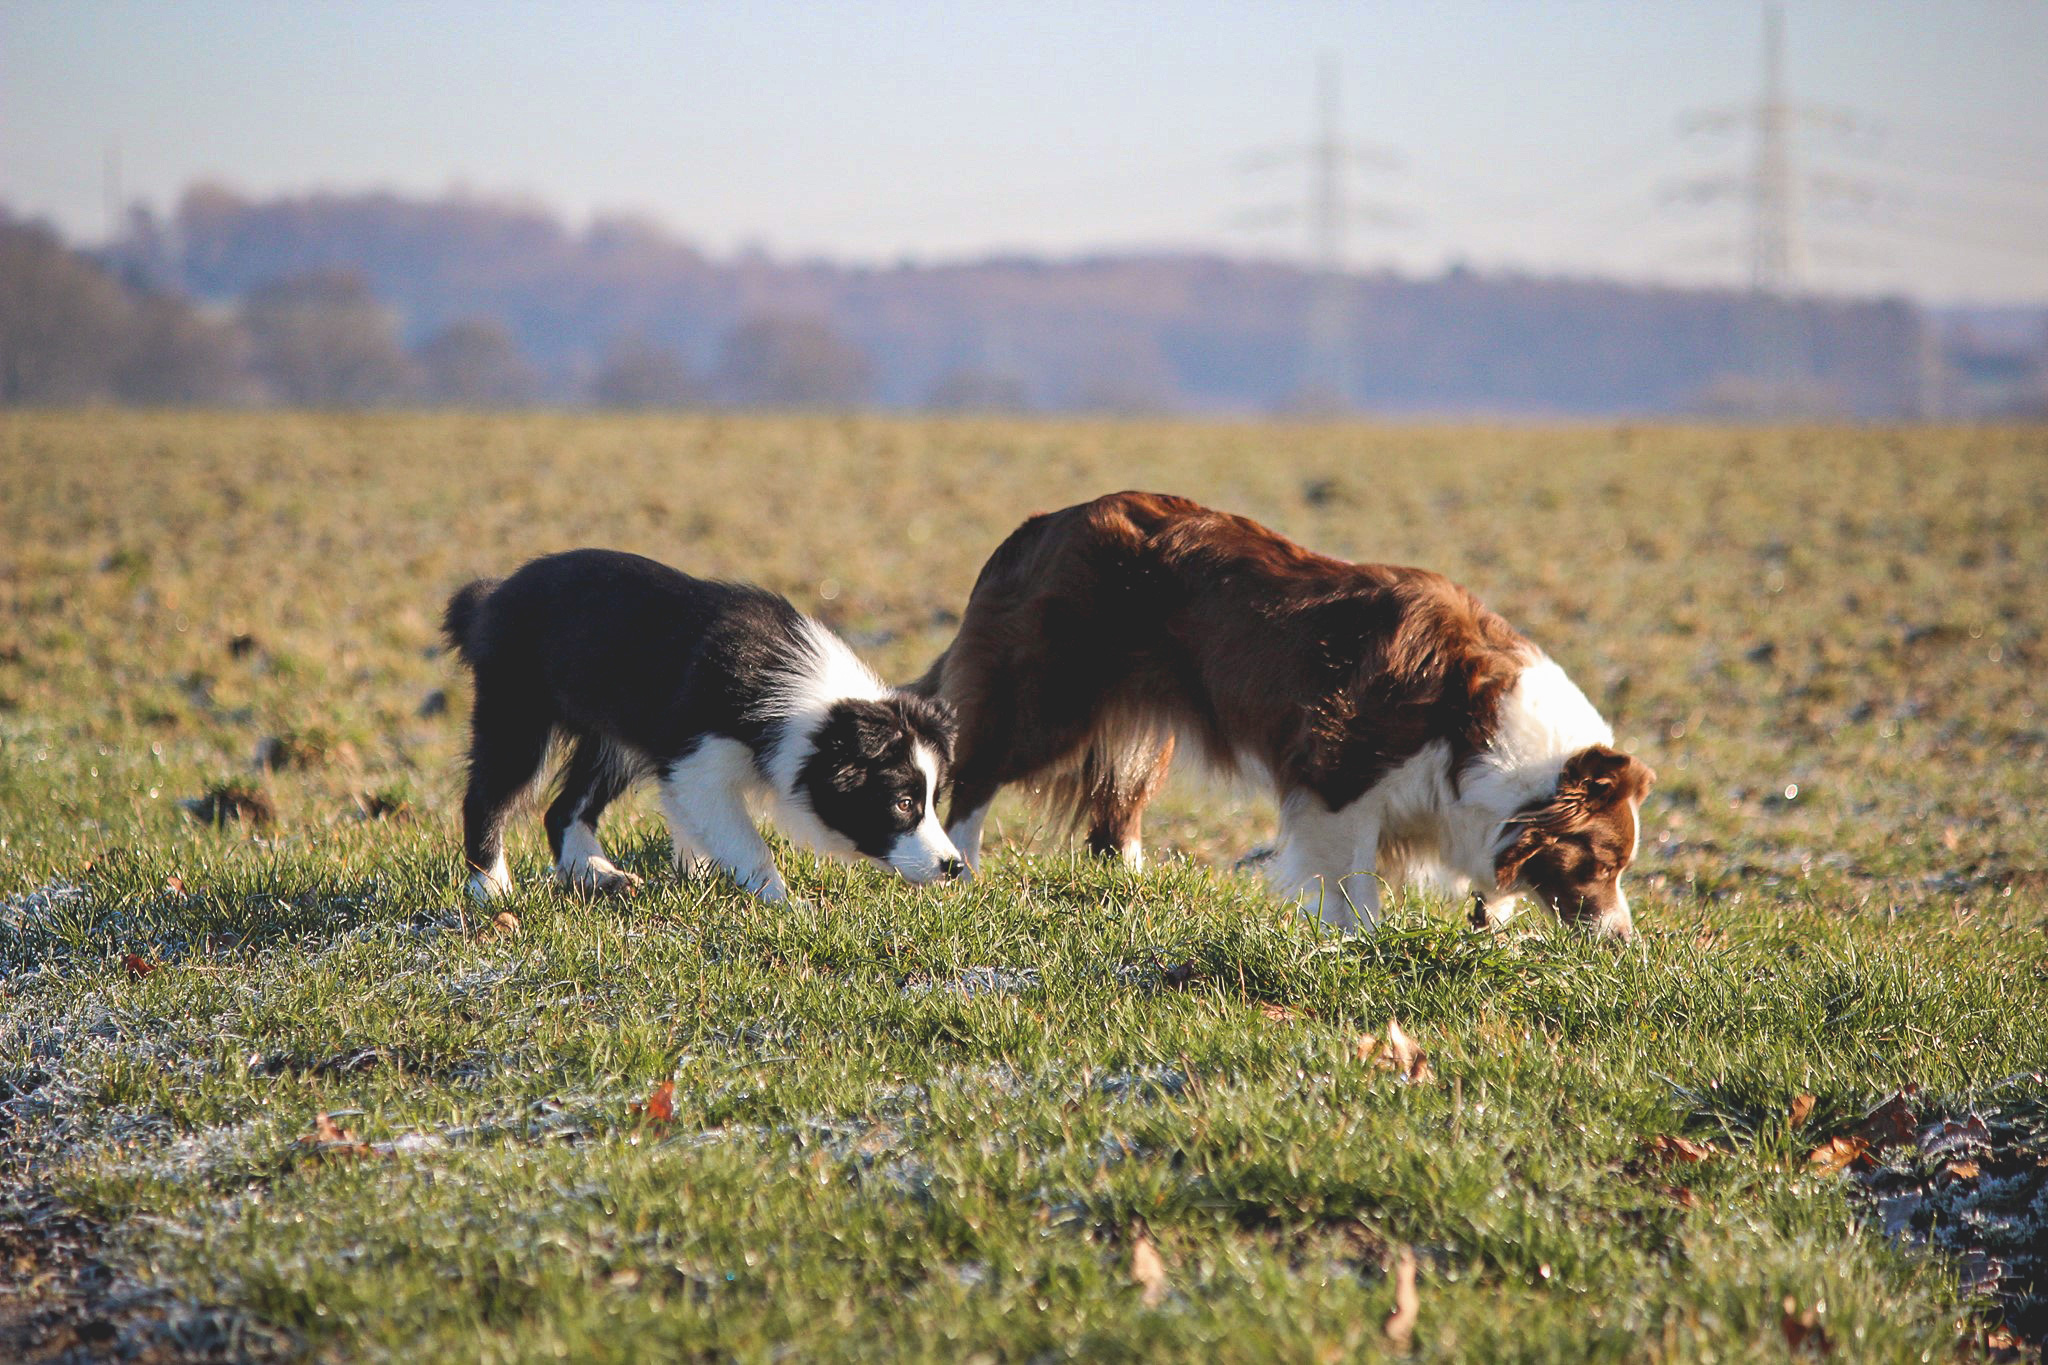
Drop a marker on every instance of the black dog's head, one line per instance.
(873, 777)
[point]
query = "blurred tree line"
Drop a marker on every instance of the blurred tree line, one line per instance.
(72, 333)
(73, 330)
(380, 299)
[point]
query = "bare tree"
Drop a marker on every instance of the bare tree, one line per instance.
(475, 363)
(640, 372)
(323, 340)
(977, 391)
(793, 362)
(63, 321)
(177, 355)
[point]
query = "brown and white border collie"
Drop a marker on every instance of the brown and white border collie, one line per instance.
(1403, 727)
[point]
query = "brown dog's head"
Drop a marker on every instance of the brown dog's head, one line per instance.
(1570, 851)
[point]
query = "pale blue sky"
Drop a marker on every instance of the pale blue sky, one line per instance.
(1540, 135)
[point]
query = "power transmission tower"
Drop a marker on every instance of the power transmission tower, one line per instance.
(1774, 191)
(1332, 212)
(110, 191)
(1773, 215)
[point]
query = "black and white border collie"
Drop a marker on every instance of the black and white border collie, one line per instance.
(725, 694)
(1403, 727)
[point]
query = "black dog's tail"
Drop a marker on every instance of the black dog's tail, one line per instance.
(458, 623)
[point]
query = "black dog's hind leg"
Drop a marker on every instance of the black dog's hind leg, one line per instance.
(595, 777)
(508, 740)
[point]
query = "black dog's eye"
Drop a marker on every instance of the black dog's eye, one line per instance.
(906, 804)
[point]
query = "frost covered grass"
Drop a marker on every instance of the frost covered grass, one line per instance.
(937, 1123)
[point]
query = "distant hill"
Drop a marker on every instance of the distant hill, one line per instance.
(1118, 333)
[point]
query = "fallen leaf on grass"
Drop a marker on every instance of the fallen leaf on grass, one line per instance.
(1803, 1330)
(661, 1104)
(1400, 1325)
(174, 886)
(138, 966)
(1802, 1109)
(1680, 1195)
(1890, 1124)
(1962, 1170)
(1838, 1154)
(1278, 1014)
(329, 1138)
(1397, 1052)
(1148, 1271)
(506, 923)
(1679, 1149)
(1953, 1138)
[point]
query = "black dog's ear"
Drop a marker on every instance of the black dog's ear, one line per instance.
(847, 777)
(856, 734)
(873, 732)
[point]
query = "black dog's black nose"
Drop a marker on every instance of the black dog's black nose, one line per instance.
(953, 868)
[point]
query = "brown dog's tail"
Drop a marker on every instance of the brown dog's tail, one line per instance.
(1103, 786)
(459, 621)
(934, 677)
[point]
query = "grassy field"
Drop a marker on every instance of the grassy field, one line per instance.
(1062, 1111)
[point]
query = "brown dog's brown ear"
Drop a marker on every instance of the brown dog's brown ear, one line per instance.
(1536, 830)
(1508, 865)
(1601, 776)
(1641, 777)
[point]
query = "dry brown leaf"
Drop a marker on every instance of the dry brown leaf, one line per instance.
(138, 966)
(329, 1138)
(1962, 1170)
(1397, 1052)
(1680, 1195)
(506, 923)
(1838, 1154)
(661, 1104)
(1803, 1330)
(1278, 1014)
(1148, 1271)
(1408, 1056)
(1679, 1149)
(1890, 1124)
(1951, 1136)
(1400, 1326)
(1802, 1109)
(174, 885)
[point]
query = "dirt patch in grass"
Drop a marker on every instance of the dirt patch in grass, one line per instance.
(60, 1302)
(232, 802)
(1975, 1187)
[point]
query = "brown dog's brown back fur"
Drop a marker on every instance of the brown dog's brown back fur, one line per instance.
(1096, 634)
